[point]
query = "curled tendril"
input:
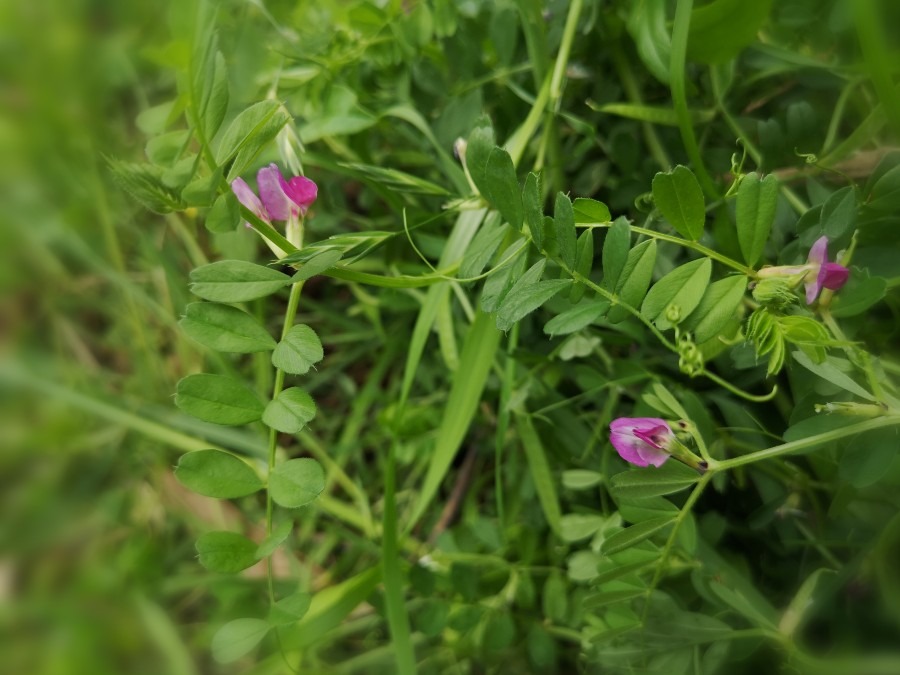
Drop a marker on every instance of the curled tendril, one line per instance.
(644, 202)
(690, 358)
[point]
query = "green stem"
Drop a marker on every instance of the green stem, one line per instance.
(678, 57)
(289, 316)
(810, 441)
(670, 542)
(693, 245)
(756, 398)
(398, 620)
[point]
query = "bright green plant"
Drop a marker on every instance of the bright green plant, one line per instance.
(738, 333)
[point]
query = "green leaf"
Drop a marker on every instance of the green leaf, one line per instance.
(742, 604)
(581, 479)
(590, 211)
(165, 149)
(867, 457)
(225, 214)
(539, 468)
(225, 328)
(564, 220)
(534, 209)
(296, 482)
(884, 195)
(527, 294)
(202, 192)
(860, 293)
(584, 261)
(483, 247)
(217, 104)
(631, 536)
(653, 114)
(290, 411)
(219, 399)
(830, 372)
(238, 638)
(499, 282)
(478, 150)
(290, 609)
(667, 398)
(226, 552)
(274, 540)
(554, 599)
(635, 278)
(838, 215)
(603, 598)
(214, 473)
(639, 484)
(721, 29)
(578, 526)
(249, 132)
(615, 252)
(648, 26)
(236, 281)
(503, 187)
(580, 316)
(318, 264)
(755, 213)
(392, 180)
(298, 351)
(499, 632)
(802, 602)
(679, 292)
(717, 308)
(679, 198)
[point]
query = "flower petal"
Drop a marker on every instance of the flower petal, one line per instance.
(302, 191)
(833, 275)
(248, 198)
(812, 290)
(641, 440)
(653, 456)
(818, 254)
(276, 201)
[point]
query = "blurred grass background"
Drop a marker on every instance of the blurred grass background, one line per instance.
(90, 569)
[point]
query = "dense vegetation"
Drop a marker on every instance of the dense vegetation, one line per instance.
(574, 350)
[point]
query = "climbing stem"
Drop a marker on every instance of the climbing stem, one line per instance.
(289, 316)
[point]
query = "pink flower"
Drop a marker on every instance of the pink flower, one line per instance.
(816, 274)
(279, 199)
(641, 440)
(822, 274)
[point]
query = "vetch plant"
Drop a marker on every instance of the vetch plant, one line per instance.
(816, 274)
(499, 339)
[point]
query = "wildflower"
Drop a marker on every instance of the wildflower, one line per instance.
(823, 274)
(816, 274)
(279, 199)
(642, 441)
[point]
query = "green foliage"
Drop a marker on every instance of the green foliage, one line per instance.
(676, 295)
(678, 196)
(214, 473)
(475, 516)
(225, 328)
(297, 482)
(236, 281)
(218, 398)
(755, 213)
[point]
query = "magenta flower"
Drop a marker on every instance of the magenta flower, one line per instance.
(822, 274)
(816, 274)
(279, 199)
(642, 441)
